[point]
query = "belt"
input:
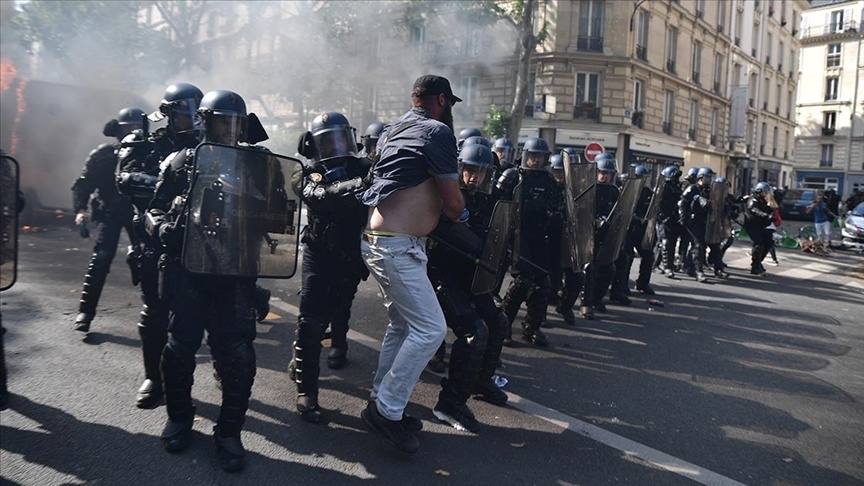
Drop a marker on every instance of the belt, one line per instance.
(372, 236)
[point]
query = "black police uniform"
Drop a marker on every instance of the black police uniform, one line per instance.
(599, 276)
(111, 213)
(757, 216)
(669, 229)
(633, 242)
(479, 326)
(531, 281)
(138, 173)
(332, 266)
(693, 210)
(559, 271)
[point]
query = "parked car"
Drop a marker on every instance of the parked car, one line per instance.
(795, 202)
(852, 234)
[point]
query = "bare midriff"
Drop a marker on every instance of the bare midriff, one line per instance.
(412, 211)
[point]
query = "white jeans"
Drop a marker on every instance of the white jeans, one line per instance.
(823, 232)
(417, 326)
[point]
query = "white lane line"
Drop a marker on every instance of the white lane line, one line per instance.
(800, 273)
(623, 444)
(854, 286)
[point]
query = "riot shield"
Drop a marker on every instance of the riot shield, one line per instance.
(718, 226)
(517, 225)
(619, 221)
(579, 183)
(242, 217)
(495, 249)
(651, 215)
(9, 179)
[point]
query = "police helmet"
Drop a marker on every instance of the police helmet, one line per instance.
(474, 140)
(762, 188)
(535, 154)
(640, 170)
(334, 136)
(130, 116)
(605, 162)
(720, 180)
(467, 132)
(370, 138)
(705, 173)
(223, 104)
(692, 173)
(179, 99)
(476, 168)
(574, 155)
(556, 161)
(671, 172)
(506, 153)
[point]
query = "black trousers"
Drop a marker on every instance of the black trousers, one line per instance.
(109, 226)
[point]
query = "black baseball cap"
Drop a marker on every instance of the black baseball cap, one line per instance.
(430, 85)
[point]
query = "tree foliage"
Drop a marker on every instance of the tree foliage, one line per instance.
(497, 122)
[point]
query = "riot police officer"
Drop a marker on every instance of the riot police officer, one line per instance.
(536, 198)
(669, 228)
(506, 153)
(222, 305)
(332, 263)
(693, 209)
(110, 211)
(598, 275)
(757, 216)
(370, 140)
(635, 233)
(478, 324)
(139, 159)
(684, 255)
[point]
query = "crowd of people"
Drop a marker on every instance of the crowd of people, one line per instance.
(437, 222)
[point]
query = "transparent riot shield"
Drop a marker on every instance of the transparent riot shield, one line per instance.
(579, 182)
(619, 221)
(501, 227)
(651, 215)
(243, 219)
(517, 225)
(718, 226)
(9, 179)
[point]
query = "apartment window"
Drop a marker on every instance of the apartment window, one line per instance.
(829, 123)
(777, 99)
(775, 142)
(587, 101)
(833, 55)
(790, 105)
(418, 35)
(766, 93)
(718, 73)
(590, 26)
(769, 49)
(780, 52)
(736, 74)
(739, 25)
(754, 41)
(373, 99)
(668, 107)
(832, 87)
(827, 158)
(671, 49)
(791, 63)
(794, 22)
(700, 9)
(763, 139)
(715, 119)
(721, 16)
(697, 60)
(836, 24)
(770, 8)
(786, 144)
(694, 120)
(752, 90)
(642, 36)
(468, 90)
(638, 117)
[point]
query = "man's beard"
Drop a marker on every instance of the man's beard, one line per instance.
(447, 116)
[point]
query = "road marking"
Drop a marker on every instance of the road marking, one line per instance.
(631, 448)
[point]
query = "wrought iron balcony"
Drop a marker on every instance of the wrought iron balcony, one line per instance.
(828, 131)
(587, 111)
(593, 44)
(691, 134)
(642, 53)
(667, 128)
(638, 119)
(670, 66)
(826, 163)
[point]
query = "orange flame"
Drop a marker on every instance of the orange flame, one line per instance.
(7, 74)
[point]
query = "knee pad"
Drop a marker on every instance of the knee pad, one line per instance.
(310, 330)
(102, 260)
(175, 352)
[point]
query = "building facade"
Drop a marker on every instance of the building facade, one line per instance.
(830, 134)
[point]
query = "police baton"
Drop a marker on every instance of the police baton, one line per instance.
(473, 259)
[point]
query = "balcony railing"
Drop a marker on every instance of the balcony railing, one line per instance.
(737, 42)
(828, 131)
(830, 28)
(826, 163)
(765, 105)
(713, 140)
(774, 152)
(444, 50)
(753, 52)
(700, 14)
(529, 111)
(762, 149)
(667, 128)
(691, 134)
(642, 53)
(587, 111)
(785, 154)
(752, 103)
(695, 78)
(670, 66)
(717, 89)
(593, 44)
(638, 119)
(767, 60)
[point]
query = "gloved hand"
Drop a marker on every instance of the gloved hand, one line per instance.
(169, 234)
(464, 216)
(83, 217)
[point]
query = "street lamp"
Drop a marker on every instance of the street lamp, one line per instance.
(635, 9)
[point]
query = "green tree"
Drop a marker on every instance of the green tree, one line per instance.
(497, 123)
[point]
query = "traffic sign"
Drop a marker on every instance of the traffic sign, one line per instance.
(592, 150)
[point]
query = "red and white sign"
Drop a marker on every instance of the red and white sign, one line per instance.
(592, 150)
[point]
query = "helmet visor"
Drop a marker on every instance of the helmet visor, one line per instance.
(505, 155)
(476, 177)
(339, 142)
(225, 128)
(535, 160)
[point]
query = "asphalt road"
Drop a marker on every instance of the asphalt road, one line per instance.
(748, 380)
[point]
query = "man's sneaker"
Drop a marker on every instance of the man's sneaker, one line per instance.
(232, 455)
(773, 262)
(669, 273)
(645, 289)
(701, 277)
(721, 274)
(759, 272)
(566, 314)
(392, 431)
(457, 415)
(535, 337)
(587, 312)
(82, 322)
(176, 435)
(488, 391)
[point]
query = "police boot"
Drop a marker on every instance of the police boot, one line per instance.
(337, 356)
(486, 388)
(153, 341)
(305, 367)
(94, 281)
(178, 368)
(237, 368)
(232, 455)
(534, 335)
